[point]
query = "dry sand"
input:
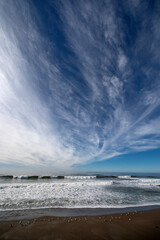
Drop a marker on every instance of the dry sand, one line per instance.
(125, 226)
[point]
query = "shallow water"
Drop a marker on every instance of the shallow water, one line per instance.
(78, 192)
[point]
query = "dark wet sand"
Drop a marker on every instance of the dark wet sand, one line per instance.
(125, 226)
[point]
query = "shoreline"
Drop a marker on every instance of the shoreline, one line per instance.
(133, 225)
(26, 214)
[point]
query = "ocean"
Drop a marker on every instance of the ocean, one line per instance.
(85, 191)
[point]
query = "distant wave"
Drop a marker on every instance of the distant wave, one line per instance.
(101, 176)
(127, 176)
(80, 177)
(73, 177)
(134, 176)
(6, 176)
(137, 176)
(35, 177)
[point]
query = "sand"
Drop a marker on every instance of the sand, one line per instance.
(125, 226)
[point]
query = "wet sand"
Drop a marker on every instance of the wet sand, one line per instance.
(136, 225)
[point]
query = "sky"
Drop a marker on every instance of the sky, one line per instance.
(79, 85)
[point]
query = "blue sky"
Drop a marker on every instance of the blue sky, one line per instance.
(79, 85)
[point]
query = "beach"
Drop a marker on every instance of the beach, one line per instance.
(116, 207)
(137, 225)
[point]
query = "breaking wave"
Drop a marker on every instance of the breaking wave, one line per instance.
(77, 191)
(74, 177)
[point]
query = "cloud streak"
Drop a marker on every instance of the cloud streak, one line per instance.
(83, 88)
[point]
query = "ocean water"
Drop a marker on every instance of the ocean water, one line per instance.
(95, 191)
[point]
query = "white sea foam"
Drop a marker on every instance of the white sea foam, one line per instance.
(78, 192)
(79, 177)
(127, 176)
(21, 177)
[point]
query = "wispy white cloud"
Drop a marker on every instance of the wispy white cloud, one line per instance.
(27, 130)
(80, 108)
